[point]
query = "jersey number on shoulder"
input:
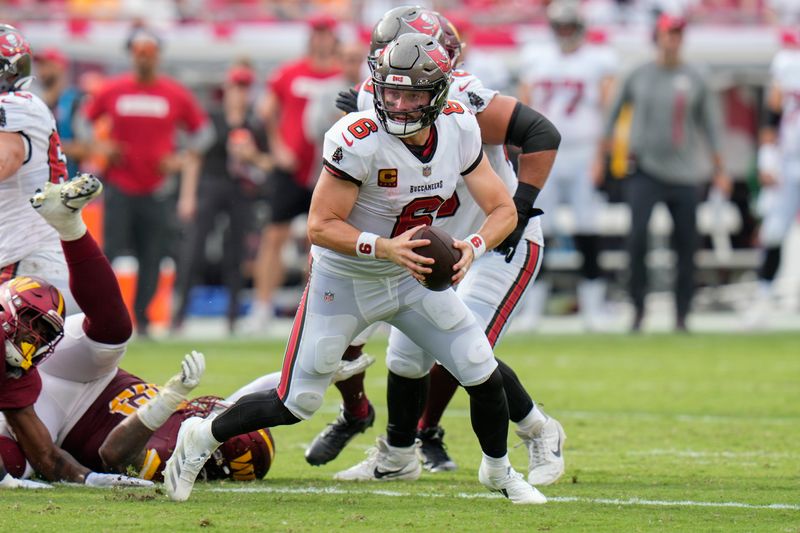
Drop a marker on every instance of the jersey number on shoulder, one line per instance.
(452, 107)
(421, 212)
(129, 400)
(56, 160)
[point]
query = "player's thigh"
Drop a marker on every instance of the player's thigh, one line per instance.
(405, 358)
(327, 320)
(367, 334)
(548, 200)
(442, 326)
(494, 289)
(584, 198)
(50, 264)
(778, 205)
(80, 359)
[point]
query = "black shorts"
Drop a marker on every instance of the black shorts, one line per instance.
(286, 198)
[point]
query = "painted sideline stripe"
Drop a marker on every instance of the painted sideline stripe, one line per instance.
(488, 495)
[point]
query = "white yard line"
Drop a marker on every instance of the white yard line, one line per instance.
(487, 495)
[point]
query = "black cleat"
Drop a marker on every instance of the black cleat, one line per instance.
(434, 451)
(330, 443)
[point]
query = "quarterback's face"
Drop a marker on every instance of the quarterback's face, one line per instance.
(404, 104)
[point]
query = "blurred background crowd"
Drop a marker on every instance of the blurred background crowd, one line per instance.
(212, 224)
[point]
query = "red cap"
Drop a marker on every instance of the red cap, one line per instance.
(323, 21)
(240, 75)
(667, 22)
(53, 55)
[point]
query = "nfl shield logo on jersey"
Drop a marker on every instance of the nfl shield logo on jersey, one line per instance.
(328, 297)
(426, 170)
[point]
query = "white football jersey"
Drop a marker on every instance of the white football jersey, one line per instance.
(566, 89)
(785, 70)
(397, 190)
(461, 216)
(21, 230)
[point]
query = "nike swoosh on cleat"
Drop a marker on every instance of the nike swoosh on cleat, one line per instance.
(388, 473)
(557, 451)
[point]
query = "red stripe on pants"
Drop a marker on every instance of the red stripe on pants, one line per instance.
(514, 294)
(293, 345)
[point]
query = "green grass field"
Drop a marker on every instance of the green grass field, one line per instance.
(665, 433)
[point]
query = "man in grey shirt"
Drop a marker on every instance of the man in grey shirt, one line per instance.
(675, 117)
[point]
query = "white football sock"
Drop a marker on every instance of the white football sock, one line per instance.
(533, 421)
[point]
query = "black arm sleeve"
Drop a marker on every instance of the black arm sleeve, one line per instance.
(531, 131)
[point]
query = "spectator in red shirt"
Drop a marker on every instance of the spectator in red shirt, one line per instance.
(290, 89)
(146, 109)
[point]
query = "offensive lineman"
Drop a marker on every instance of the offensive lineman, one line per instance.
(572, 84)
(497, 281)
(30, 156)
(386, 172)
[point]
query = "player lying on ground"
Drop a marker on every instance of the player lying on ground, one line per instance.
(497, 281)
(33, 333)
(386, 171)
(117, 420)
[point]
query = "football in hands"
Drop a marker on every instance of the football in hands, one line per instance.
(440, 250)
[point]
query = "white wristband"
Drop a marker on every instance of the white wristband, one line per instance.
(478, 245)
(366, 245)
(769, 159)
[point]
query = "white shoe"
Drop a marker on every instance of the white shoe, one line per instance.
(60, 204)
(348, 369)
(187, 460)
(757, 316)
(510, 484)
(545, 452)
(385, 463)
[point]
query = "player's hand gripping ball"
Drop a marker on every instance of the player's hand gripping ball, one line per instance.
(440, 250)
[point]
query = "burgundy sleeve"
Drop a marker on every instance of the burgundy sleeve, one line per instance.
(12, 456)
(21, 392)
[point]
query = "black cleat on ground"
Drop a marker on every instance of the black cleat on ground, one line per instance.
(328, 444)
(434, 451)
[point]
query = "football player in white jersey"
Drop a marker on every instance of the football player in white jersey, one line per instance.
(30, 156)
(779, 173)
(571, 83)
(496, 283)
(386, 173)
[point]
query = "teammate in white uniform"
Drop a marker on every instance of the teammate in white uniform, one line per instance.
(30, 156)
(571, 84)
(779, 173)
(386, 172)
(497, 281)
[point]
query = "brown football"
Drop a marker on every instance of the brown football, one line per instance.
(440, 250)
